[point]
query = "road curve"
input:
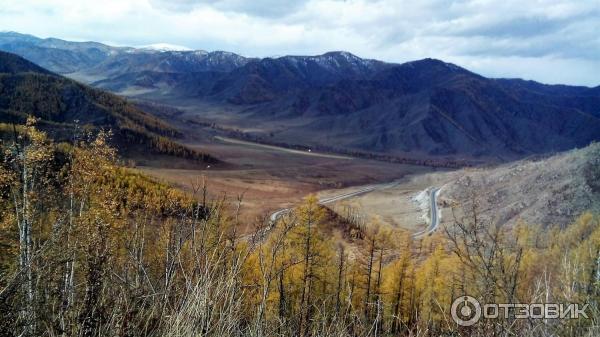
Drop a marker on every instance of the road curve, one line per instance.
(435, 221)
(366, 189)
(323, 201)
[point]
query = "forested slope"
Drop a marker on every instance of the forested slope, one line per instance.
(63, 106)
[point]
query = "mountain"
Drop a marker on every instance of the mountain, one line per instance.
(340, 101)
(60, 103)
(420, 108)
(433, 107)
(99, 60)
(242, 82)
(56, 55)
(269, 79)
(146, 60)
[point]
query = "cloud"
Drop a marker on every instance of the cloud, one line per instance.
(259, 8)
(548, 40)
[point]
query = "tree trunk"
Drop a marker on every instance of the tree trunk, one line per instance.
(339, 281)
(369, 272)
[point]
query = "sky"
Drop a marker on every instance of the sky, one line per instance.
(551, 41)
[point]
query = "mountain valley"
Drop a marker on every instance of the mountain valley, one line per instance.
(306, 169)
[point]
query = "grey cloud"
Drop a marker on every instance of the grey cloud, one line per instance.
(498, 32)
(258, 8)
(575, 39)
(517, 27)
(525, 26)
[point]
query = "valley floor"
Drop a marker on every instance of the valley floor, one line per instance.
(269, 178)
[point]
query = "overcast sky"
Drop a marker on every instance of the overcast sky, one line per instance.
(551, 41)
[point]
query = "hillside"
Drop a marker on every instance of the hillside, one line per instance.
(61, 103)
(546, 191)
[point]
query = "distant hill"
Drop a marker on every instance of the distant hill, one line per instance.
(421, 109)
(56, 55)
(61, 103)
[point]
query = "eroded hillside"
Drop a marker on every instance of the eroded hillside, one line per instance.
(548, 191)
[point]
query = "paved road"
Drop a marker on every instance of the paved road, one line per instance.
(435, 221)
(323, 201)
(282, 149)
(366, 189)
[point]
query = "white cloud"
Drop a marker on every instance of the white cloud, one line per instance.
(547, 40)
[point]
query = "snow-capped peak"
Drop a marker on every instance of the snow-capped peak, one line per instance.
(165, 47)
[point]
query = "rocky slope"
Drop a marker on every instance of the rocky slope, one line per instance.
(548, 191)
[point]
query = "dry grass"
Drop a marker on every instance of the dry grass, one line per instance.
(270, 178)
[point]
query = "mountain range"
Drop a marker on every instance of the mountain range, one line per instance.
(99, 60)
(422, 108)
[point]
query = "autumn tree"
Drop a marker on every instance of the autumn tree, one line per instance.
(27, 175)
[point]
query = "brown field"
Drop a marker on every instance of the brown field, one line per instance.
(270, 178)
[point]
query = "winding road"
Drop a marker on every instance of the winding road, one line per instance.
(433, 225)
(435, 221)
(323, 201)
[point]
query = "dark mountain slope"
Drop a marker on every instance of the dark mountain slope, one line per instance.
(267, 79)
(431, 107)
(59, 103)
(14, 64)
